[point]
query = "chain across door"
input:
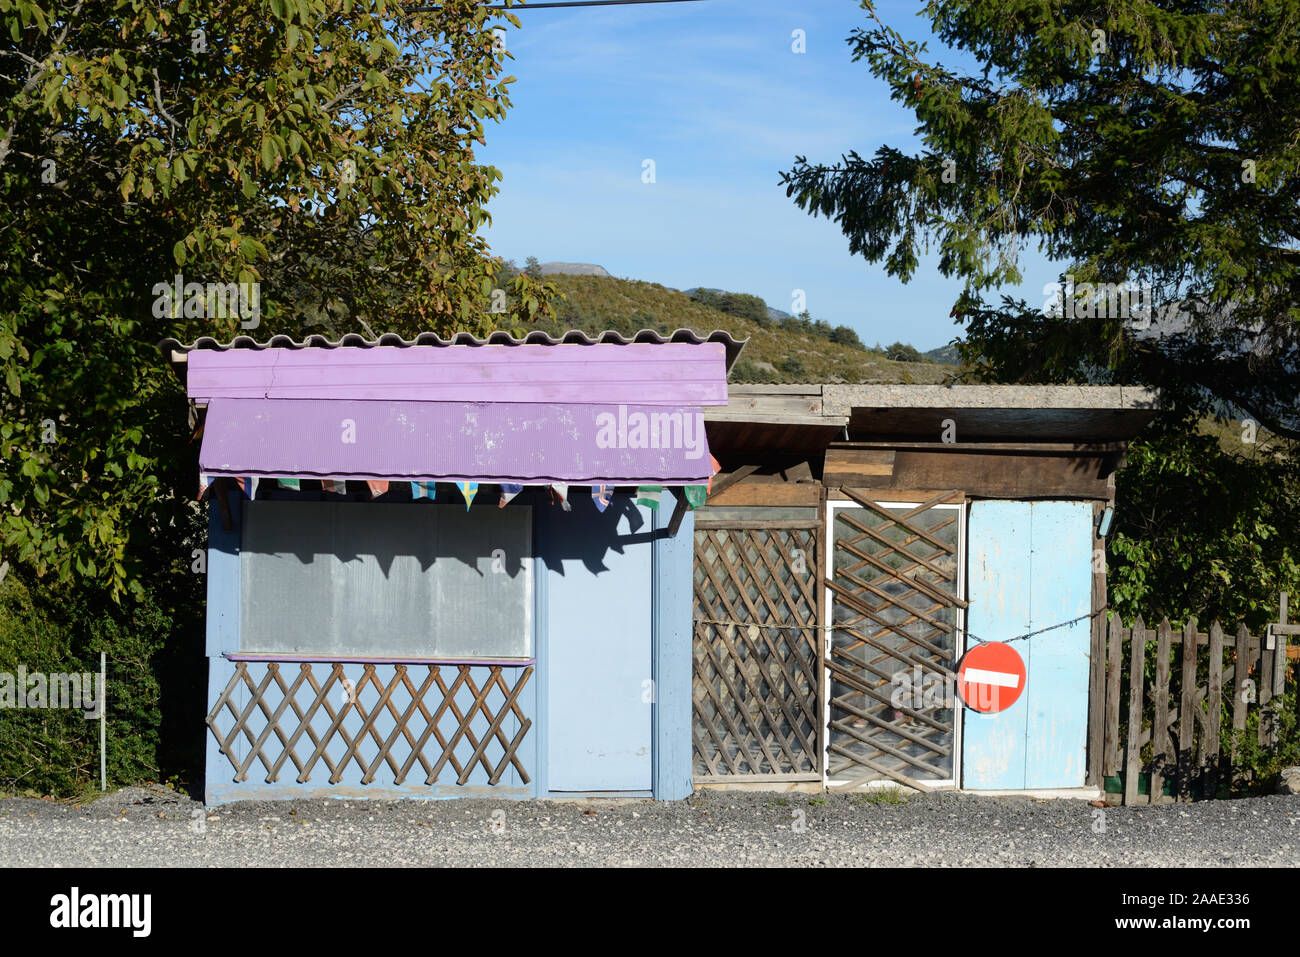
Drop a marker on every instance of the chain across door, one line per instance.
(894, 587)
(756, 689)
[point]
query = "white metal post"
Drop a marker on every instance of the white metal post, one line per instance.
(103, 713)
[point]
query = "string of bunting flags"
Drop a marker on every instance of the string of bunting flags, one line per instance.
(601, 495)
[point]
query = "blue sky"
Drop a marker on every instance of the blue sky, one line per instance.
(713, 93)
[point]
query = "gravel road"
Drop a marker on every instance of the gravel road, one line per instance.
(144, 827)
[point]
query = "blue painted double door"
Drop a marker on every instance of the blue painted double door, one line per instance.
(1029, 567)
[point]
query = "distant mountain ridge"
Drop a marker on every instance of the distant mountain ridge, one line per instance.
(945, 355)
(574, 269)
(773, 314)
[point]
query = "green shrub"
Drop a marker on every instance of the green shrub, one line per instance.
(745, 371)
(792, 366)
(735, 304)
(155, 695)
(1258, 768)
(844, 336)
(902, 352)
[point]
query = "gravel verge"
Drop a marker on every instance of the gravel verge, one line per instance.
(139, 827)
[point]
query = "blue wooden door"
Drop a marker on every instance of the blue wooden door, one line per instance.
(1030, 567)
(598, 657)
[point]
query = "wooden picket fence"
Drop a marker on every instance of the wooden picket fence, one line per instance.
(1176, 725)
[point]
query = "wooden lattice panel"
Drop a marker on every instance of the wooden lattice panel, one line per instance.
(448, 719)
(756, 687)
(894, 607)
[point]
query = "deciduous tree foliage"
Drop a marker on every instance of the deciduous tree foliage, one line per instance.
(321, 148)
(1152, 142)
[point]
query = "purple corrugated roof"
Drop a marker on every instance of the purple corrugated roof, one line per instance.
(607, 410)
(665, 373)
(176, 352)
(525, 443)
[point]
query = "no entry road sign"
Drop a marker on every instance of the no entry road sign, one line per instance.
(990, 677)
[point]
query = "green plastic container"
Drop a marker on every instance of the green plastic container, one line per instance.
(1115, 785)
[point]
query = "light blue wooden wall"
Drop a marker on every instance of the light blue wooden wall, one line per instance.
(598, 657)
(1029, 567)
(222, 626)
(610, 698)
(223, 636)
(674, 661)
(223, 619)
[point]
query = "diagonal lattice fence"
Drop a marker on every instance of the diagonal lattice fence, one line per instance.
(460, 717)
(756, 687)
(894, 606)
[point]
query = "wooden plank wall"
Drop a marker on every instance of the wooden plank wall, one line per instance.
(984, 470)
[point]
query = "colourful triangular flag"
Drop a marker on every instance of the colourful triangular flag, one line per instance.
(602, 495)
(716, 469)
(648, 495)
(468, 490)
(295, 484)
(334, 486)
(696, 495)
(204, 482)
(560, 490)
(377, 487)
(427, 490)
(508, 491)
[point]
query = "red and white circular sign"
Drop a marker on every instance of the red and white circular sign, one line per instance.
(990, 677)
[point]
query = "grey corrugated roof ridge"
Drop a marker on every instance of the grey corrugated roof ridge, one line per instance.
(353, 340)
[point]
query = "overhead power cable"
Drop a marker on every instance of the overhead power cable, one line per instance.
(558, 3)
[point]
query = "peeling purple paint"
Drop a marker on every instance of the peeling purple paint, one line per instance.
(524, 443)
(649, 374)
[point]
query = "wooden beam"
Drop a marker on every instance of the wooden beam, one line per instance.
(863, 468)
(220, 487)
(799, 472)
(791, 494)
(679, 512)
(1004, 476)
(730, 479)
(892, 494)
(776, 418)
(1018, 448)
(789, 404)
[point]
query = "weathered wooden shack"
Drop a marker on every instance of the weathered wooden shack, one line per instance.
(858, 540)
(471, 567)
(451, 567)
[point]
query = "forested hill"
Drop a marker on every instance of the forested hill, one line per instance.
(781, 348)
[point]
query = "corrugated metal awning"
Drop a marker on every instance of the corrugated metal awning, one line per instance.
(178, 353)
(667, 373)
(610, 411)
(523, 443)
